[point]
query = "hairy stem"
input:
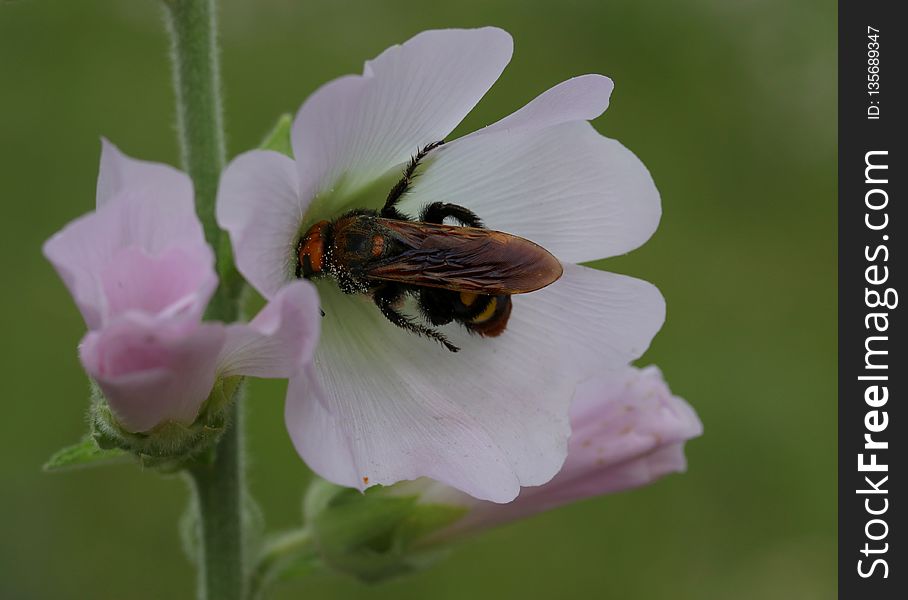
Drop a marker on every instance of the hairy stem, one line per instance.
(196, 78)
(219, 489)
(219, 486)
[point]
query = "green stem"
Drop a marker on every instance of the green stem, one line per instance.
(196, 77)
(197, 82)
(219, 486)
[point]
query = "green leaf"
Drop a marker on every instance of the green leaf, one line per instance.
(278, 139)
(83, 455)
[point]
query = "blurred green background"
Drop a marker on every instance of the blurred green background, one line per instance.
(730, 104)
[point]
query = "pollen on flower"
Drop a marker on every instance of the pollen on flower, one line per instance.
(366, 480)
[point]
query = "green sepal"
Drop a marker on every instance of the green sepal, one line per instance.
(85, 454)
(278, 139)
(282, 557)
(425, 520)
(190, 529)
(169, 446)
(374, 535)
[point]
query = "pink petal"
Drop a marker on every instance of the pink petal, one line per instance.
(120, 174)
(157, 202)
(618, 423)
(261, 206)
(141, 205)
(153, 370)
(628, 431)
(180, 280)
(580, 195)
(354, 129)
(279, 341)
(79, 252)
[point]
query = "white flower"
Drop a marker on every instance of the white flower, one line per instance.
(380, 405)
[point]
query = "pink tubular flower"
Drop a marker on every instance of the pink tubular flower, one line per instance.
(141, 274)
(628, 431)
(379, 405)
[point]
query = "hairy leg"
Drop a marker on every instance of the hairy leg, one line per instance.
(389, 211)
(386, 297)
(437, 212)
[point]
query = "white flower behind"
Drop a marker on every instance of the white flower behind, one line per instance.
(380, 405)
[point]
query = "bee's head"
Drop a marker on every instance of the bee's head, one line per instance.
(312, 251)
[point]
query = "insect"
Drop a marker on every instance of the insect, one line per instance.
(463, 273)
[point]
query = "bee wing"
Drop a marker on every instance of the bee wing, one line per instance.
(465, 259)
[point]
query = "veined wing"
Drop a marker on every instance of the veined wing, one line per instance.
(465, 259)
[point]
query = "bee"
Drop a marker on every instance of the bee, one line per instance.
(463, 273)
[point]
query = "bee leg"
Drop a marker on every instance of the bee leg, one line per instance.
(437, 212)
(389, 211)
(386, 297)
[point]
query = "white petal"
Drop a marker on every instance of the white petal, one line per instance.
(387, 405)
(279, 340)
(485, 420)
(261, 206)
(601, 321)
(578, 194)
(356, 128)
(580, 98)
(318, 435)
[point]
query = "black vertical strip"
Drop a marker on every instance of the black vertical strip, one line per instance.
(872, 366)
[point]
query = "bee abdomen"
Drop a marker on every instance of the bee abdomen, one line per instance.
(487, 315)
